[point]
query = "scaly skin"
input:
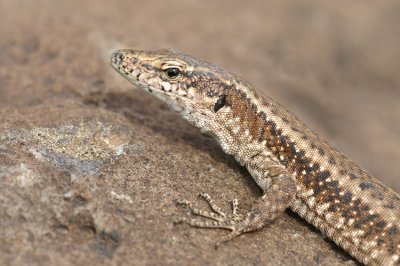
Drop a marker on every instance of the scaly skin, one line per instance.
(294, 167)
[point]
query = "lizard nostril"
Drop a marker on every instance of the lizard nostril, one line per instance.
(117, 57)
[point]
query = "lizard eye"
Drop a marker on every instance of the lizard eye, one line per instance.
(172, 72)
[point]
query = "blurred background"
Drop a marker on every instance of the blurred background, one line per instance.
(335, 64)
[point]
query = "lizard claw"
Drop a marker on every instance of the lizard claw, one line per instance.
(216, 218)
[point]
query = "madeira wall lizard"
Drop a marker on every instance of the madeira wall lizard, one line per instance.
(294, 167)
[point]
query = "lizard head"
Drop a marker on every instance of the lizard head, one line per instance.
(190, 86)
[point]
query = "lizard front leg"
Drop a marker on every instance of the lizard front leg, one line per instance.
(273, 202)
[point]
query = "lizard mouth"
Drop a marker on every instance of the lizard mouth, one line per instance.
(136, 76)
(177, 99)
(148, 82)
(144, 79)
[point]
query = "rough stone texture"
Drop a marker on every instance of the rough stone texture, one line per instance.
(90, 167)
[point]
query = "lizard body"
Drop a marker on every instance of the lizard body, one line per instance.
(294, 167)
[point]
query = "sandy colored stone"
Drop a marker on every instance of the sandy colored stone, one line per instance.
(91, 168)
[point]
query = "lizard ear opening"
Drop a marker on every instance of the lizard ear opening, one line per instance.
(220, 102)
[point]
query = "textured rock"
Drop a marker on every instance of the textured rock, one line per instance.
(90, 167)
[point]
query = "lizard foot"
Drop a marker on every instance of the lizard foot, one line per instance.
(234, 222)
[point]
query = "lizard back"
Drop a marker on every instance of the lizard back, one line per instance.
(352, 208)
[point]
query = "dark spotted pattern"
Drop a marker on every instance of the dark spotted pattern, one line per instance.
(332, 161)
(356, 213)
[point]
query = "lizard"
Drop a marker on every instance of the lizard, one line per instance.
(294, 167)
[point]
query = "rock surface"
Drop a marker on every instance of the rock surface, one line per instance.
(90, 167)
